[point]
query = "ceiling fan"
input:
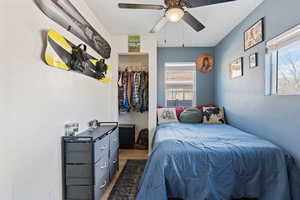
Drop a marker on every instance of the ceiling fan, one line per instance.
(175, 10)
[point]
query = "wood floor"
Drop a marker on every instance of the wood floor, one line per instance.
(123, 157)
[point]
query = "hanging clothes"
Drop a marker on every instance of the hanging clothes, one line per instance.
(136, 87)
(121, 90)
(125, 107)
(133, 91)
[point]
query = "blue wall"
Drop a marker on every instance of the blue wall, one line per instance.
(276, 118)
(205, 93)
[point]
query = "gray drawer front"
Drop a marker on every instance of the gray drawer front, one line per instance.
(79, 192)
(113, 170)
(101, 149)
(79, 175)
(78, 152)
(101, 171)
(114, 156)
(113, 164)
(100, 188)
(114, 140)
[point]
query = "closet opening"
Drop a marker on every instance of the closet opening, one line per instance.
(133, 97)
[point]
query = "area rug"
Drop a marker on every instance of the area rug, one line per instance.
(126, 186)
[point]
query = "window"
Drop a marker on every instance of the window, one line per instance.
(180, 87)
(283, 64)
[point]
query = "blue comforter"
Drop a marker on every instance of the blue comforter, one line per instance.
(216, 162)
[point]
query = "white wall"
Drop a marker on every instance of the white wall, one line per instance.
(36, 101)
(148, 45)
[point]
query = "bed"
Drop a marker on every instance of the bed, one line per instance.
(216, 162)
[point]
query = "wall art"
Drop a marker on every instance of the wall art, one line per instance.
(236, 68)
(134, 43)
(205, 63)
(253, 60)
(254, 35)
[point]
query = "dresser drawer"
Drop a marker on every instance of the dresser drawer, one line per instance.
(101, 171)
(79, 175)
(113, 164)
(114, 140)
(101, 149)
(78, 152)
(79, 192)
(100, 188)
(114, 156)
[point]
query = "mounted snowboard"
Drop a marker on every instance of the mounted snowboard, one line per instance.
(60, 54)
(66, 15)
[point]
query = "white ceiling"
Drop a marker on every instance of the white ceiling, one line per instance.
(219, 20)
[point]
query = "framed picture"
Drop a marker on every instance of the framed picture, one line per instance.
(253, 60)
(236, 68)
(205, 63)
(134, 43)
(254, 35)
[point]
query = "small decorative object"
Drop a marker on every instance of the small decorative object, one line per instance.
(93, 124)
(254, 35)
(236, 68)
(213, 115)
(205, 63)
(134, 43)
(71, 129)
(166, 115)
(253, 60)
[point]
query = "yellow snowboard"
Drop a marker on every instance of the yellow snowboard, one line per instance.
(59, 53)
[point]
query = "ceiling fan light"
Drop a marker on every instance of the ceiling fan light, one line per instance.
(174, 14)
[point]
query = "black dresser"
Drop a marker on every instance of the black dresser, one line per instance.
(90, 160)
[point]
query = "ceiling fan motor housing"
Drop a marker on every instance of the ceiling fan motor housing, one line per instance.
(174, 11)
(174, 4)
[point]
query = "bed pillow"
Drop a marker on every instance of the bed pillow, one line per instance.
(191, 115)
(180, 109)
(166, 115)
(213, 115)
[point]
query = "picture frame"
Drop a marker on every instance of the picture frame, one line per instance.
(253, 60)
(236, 68)
(134, 43)
(254, 35)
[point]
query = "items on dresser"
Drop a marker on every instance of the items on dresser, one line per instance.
(71, 129)
(127, 136)
(93, 124)
(90, 161)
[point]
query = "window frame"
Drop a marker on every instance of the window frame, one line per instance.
(273, 47)
(180, 65)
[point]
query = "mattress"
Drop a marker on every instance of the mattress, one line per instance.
(216, 162)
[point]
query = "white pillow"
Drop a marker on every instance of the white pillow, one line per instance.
(166, 115)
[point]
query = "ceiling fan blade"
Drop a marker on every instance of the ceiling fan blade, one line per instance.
(141, 6)
(193, 22)
(159, 25)
(199, 3)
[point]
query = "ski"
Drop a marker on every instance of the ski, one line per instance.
(65, 14)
